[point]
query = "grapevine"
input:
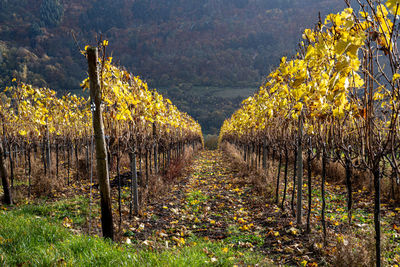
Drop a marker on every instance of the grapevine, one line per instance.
(334, 98)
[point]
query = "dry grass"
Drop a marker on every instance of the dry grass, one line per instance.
(361, 180)
(336, 173)
(83, 171)
(45, 184)
(388, 192)
(159, 184)
(358, 248)
(261, 179)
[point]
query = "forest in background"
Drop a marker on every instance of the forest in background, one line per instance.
(185, 48)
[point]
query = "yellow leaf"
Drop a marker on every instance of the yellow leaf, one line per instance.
(392, 6)
(310, 52)
(293, 231)
(378, 96)
(105, 43)
(364, 14)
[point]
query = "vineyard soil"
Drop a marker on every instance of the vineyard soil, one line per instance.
(218, 212)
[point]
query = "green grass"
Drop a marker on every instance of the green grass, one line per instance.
(33, 235)
(75, 209)
(195, 200)
(392, 255)
(238, 237)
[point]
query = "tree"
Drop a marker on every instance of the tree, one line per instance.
(104, 15)
(51, 12)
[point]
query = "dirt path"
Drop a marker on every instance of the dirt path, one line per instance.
(217, 202)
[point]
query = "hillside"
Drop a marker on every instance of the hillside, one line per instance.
(176, 45)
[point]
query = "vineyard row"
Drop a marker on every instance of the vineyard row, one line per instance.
(336, 100)
(121, 119)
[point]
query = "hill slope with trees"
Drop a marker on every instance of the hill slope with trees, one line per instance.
(181, 45)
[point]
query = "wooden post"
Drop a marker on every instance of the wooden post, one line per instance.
(264, 155)
(248, 154)
(69, 162)
(48, 148)
(11, 165)
(44, 159)
(294, 179)
(146, 163)
(168, 156)
(163, 160)
(57, 159)
(324, 164)
(87, 155)
(140, 166)
(309, 154)
(3, 173)
(29, 172)
(155, 153)
(377, 211)
(150, 162)
(119, 188)
(348, 184)
(285, 178)
(253, 154)
(134, 183)
(100, 142)
(76, 160)
(277, 180)
(299, 171)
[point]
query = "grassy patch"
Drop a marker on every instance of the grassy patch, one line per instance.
(195, 200)
(239, 238)
(75, 209)
(31, 236)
